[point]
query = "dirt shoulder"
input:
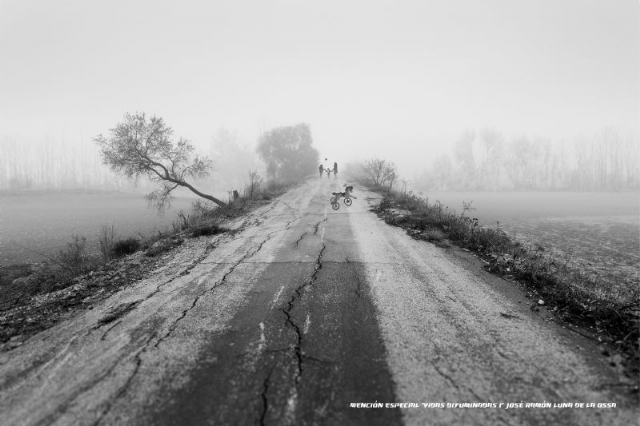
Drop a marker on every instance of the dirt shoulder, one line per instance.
(576, 299)
(458, 334)
(23, 316)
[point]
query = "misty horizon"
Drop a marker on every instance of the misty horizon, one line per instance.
(401, 81)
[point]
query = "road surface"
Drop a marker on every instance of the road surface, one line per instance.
(297, 317)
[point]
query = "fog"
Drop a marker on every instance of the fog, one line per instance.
(400, 80)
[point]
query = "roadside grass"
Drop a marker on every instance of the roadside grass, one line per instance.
(21, 284)
(611, 307)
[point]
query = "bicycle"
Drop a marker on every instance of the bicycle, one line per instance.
(334, 200)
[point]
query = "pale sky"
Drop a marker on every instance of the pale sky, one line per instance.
(395, 79)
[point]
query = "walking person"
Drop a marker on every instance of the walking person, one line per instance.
(321, 168)
(328, 173)
(335, 170)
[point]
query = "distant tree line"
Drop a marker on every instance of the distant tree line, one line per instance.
(487, 160)
(53, 163)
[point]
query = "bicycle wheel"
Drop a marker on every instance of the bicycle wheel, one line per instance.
(335, 206)
(347, 201)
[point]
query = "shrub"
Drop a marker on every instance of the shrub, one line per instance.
(74, 258)
(125, 247)
(434, 235)
(203, 209)
(254, 186)
(385, 203)
(107, 239)
(59, 271)
(380, 172)
(12, 272)
(210, 229)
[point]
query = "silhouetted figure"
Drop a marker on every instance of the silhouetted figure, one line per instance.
(335, 170)
(235, 195)
(328, 173)
(321, 168)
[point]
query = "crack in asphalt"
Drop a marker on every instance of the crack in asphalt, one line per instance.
(50, 419)
(295, 218)
(315, 231)
(503, 355)
(290, 207)
(297, 348)
(186, 271)
(220, 283)
(63, 407)
(104, 335)
(125, 387)
(289, 320)
(138, 357)
(265, 400)
(318, 360)
(301, 237)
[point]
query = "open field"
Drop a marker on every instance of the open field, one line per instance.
(599, 232)
(45, 222)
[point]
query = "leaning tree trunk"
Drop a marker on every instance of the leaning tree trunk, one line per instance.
(201, 194)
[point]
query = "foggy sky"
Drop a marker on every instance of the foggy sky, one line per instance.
(396, 79)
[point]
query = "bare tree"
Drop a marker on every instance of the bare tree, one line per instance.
(374, 170)
(254, 184)
(390, 174)
(380, 172)
(141, 147)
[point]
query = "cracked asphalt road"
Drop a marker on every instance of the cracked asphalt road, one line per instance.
(301, 312)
